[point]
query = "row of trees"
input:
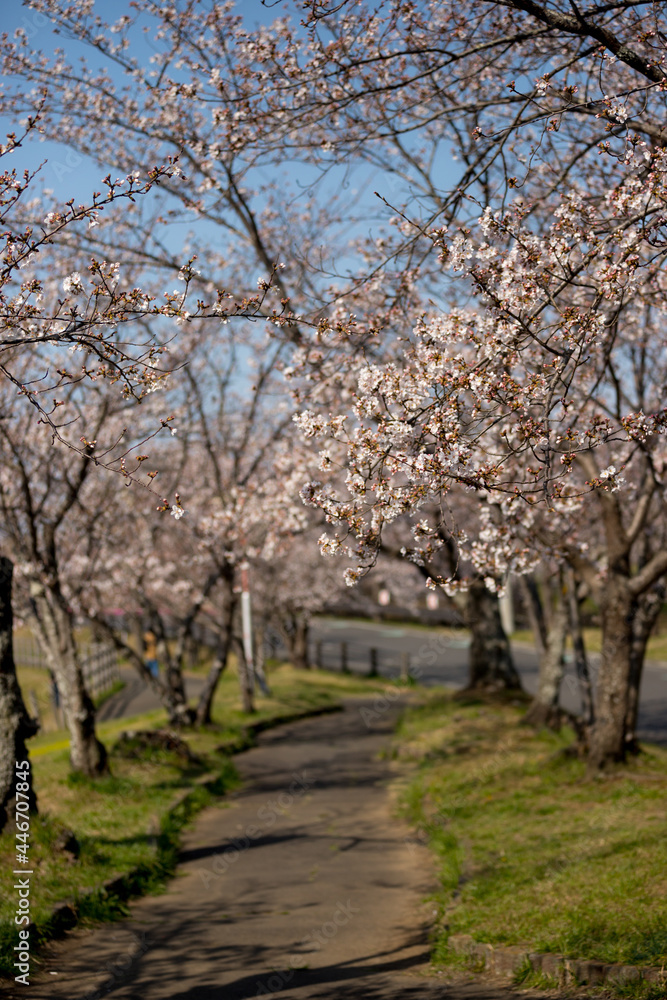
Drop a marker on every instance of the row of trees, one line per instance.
(477, 354)
(209, 453)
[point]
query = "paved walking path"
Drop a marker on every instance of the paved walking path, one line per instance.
(137, 697)
(304, 884)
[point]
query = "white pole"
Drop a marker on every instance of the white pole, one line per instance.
(246, 621)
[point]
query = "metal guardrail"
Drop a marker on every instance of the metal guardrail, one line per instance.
(359, 658)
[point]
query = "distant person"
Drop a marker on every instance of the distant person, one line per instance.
(150, 653)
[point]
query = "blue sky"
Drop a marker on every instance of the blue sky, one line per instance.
(66, 172)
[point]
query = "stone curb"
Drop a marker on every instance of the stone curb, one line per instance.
(65, 916)
(508, 960)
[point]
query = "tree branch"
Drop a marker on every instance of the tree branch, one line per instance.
(651, 572)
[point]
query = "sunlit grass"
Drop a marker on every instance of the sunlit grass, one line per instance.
(656, 649)
(529, 851)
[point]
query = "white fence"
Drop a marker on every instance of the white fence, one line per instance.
(99, 662)
(99, 665)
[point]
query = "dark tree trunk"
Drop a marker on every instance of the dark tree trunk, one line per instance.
(646, 611)
(579, 649)
(137, 632)
(299, 646)
(245, 681)
(175, 700)
(179, 712)
(16, 726)
(295, 629)
(535, 610)
(191, 652)
(260, 662)
(607, 742)
(491, 664)
(544, 709)
(205, 703)
(56, 634)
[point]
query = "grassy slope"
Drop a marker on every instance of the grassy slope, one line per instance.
(118, 820)
(529, 851)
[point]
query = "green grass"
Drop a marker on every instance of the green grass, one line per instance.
(529, 852)
(38, 680)
(121, 821)
(121, 826)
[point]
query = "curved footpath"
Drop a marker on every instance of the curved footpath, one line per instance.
(303, 885)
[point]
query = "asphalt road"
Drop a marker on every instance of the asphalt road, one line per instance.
(435, 658)
(304, 885)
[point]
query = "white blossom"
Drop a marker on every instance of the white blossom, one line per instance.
(72, 283)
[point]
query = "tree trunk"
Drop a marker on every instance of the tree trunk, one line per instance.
(172, 696)
(646, 612)
(56, 635)
(491, 664)
(175, 702)
(613, 684)
(245, 684)
(260, 672)
(544, 709)
(579, 649)
(191, 652)
(179, 712)
(137, 632)
(294, 629)
(299, 646)
(16, 726)
(535, 611)
(205, 703)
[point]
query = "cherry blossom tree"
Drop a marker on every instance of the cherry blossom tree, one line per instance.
(52, 503)
(545, 389)
(501, 337)
(37, 321)
(490, 662)
(238, 459)
(61, 329)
